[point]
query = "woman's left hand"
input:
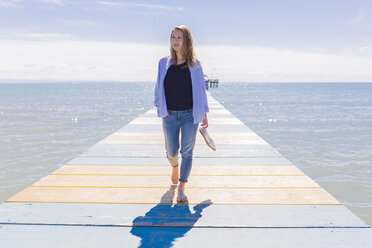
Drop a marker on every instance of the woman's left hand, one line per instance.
(205, 121)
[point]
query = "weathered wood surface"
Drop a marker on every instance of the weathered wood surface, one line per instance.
(119, 194)
(171, 215)
(119, 237)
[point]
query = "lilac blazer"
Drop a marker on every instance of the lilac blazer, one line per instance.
(199, 96)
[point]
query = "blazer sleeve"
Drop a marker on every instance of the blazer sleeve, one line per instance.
(204, 92)
(157, 86)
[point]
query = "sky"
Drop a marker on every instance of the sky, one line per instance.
(236, 40)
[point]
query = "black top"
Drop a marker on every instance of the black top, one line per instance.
(178, 88)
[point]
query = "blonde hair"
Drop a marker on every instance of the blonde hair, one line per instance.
(187, 48)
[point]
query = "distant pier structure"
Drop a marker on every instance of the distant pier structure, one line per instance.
(210, 82)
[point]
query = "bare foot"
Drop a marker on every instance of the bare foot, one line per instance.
(181, 197)
(175, 175)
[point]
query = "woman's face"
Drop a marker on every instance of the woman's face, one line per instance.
(177, 40)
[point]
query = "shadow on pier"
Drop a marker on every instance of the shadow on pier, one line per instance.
(165, 222)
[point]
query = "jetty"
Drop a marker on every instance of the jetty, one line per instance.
(119, 193)
(210, 82)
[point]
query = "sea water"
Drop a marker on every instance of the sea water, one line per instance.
(323, 128)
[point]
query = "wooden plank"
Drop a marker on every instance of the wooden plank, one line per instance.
(159, 128)
(199, 141)
(231, 150)
(166, 215)
(215, 111)
(46, 236)
(159, 139)
(156, 135)
(160, 136)
(211, 121)
(162, 160)
(211, 170)
(223, 147)
(232, 196)
(163, 181)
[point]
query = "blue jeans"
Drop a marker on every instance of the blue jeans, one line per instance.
(172, 124)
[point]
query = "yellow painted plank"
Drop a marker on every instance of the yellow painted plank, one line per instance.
(166, 169)
(165, 181)
(270, 196)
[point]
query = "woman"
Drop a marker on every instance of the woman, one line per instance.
(181, 102)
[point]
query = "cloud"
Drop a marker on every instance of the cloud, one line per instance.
(112, 3)
(141, 5)
(360, 16)
(19, 3)
(79, 23)
(11, 34)
(365, 48)
(161, 7)
(265, 64)
(41, 36)
(133, 62)
(77, 60)
(53, 2)
(11, 3)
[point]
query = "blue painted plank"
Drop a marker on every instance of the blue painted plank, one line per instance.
(203, 215)
(202, 150)
(40, 236)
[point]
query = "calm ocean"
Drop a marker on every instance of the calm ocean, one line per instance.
(324, 129)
